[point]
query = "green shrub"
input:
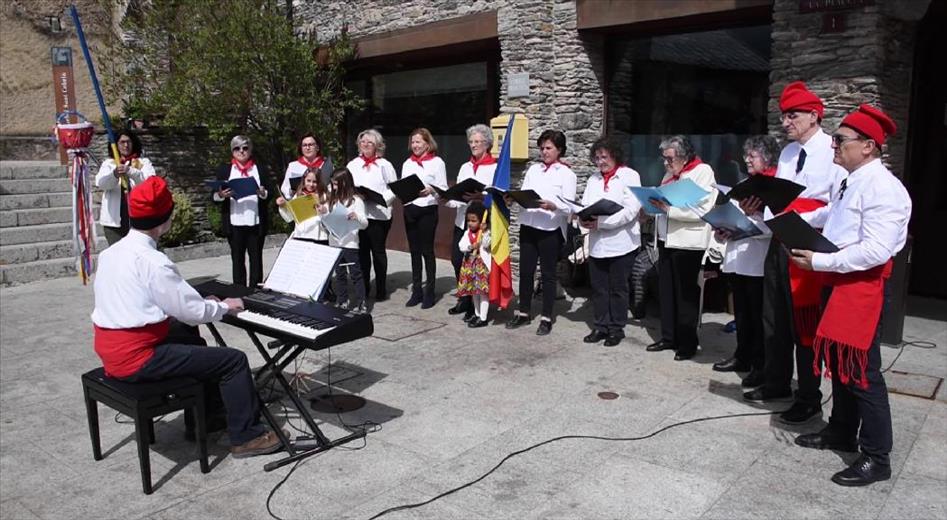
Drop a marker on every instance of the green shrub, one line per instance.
(277, 224)
(182, 221)
(213, 219)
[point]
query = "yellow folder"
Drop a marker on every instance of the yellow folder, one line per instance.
(303, 208)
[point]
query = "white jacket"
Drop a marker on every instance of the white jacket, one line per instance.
(485, 255)
(110, 213)
(681, 228)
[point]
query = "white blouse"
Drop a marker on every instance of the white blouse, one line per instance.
(432, 173)
(484, 175)
(616, 234)
(376, 178)
(549, 182)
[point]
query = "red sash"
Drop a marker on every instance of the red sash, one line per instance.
(850, 321)
(125, 351)
(805, 286)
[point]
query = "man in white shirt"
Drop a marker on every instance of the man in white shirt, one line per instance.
(868, 221)
(138, 291)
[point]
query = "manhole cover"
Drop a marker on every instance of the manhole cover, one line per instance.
(608, 396)
(917, 385)
(394, 327)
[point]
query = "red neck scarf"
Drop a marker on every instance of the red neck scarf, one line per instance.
(130, 158)
(768, 172)
(486, 159)
(315, 164)
(805, 286)
(695, 162)
(607, 176)
(420, 160)
(472, 236)
(368, 161)
(547, 166)
(850, 320)
(244, 169)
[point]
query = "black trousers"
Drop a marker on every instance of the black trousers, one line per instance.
(609, 278)
(246, 241)
(680, 296)
(779, 334)
(348, 269)
(457, 259)
(544, 246)
(371, 249)
(420, 224)
(853, 406)
(748, 313)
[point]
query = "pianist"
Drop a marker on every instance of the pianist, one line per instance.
(137, 293)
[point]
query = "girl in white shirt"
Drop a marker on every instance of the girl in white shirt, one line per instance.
(348, 267)
(474, 279)
(311, 228)
(113, 214)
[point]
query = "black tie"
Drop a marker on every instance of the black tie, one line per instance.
(801, 161)
(842, 187)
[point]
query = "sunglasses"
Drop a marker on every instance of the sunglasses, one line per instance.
(241, 148)
(840, 139)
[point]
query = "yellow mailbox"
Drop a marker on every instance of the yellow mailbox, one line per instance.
(519, 146)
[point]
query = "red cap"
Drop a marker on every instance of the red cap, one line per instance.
(797, 98)
(871, 122)
(150, 204)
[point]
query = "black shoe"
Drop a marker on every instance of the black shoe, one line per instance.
(827, 439)
(799, 413)
(659, 345)
(684, 356)
(731, 365)
(428, 301)
(476, 323)
(612, 340)
(414, 300)
(862, 472)
(469, 316)
(595, 336)
(459, 307)
(545, 327)
(381, 296)
(754, 379)
(762, 394)
(518, 320)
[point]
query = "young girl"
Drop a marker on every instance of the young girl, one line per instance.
(311, 228)
(343, 194)
(474, 277)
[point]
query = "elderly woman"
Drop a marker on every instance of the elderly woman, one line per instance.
(420, 215)
(245, 220)
(682, 239)
(372, 171)
(612, 240)
(113, 214)
(311, 156)
(543, 229)
(481, 166)
(743, 263)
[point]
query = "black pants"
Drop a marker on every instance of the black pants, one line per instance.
(226, 365)
(420, 223)
(349, 269)
(779, 334)
(748, 313)
(609, 278)
(371, 249)
(457, 259)
(246, 241)
(678, 270)
(544, 246)
(853, 406)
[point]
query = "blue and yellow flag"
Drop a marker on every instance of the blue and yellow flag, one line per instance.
(501, 271)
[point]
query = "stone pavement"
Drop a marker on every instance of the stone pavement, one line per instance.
(451, 404)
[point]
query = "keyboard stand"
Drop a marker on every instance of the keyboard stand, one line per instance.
(273, 369)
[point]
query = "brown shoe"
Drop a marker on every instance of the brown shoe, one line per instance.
(262, 445)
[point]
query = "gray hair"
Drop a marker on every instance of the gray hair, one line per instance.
(680, 144)
(765, 145)
(483, 130)
(240, 140)
(375, 136)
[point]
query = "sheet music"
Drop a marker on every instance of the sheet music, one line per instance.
(302, 268)
(337, 221)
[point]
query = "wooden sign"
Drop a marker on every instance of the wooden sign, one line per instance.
(64, 87)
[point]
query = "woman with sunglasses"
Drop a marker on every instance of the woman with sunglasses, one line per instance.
(244, 221)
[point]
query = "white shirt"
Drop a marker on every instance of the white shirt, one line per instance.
(869, 223)
(485, 255)
(350, 239)
(245, 211)
(549, 183)
(310, 228)
(110, 214)
(433, 173)
(616, 234)
(376, 178)
(294, 170)
(485, 173)
(820, 175)
(746, 256)
(138, 285)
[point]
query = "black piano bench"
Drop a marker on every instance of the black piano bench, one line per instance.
(143, 402)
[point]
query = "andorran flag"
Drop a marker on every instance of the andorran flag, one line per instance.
(501, 271)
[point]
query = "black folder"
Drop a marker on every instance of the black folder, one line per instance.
(526, 198)
(776, 193)
(370, 195)
(294, 183)
(729, 218)
(457, 191)
(600, 208)
(795, 233)
(407, 188)
(241, 187)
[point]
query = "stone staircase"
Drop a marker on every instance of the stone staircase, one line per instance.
(36, 222)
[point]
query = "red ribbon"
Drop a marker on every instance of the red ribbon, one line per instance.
(244, 168)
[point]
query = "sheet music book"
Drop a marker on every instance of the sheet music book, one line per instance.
(302, 268)
(294, 183)
(790, 229)
(527, 198)
(600, 208)
(303, 208)
(242, 187)
(776, 193)
(407, 189)
(680, 194)
(457, 191)
(371, 195)
(337, 221)
(729, 218)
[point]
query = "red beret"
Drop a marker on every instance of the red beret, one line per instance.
(150, 204)
(871, 122)
(796, 97)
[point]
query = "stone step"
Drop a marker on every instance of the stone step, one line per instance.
(41, 233)
(23, 253)
(32, 170)
(41, 200)
(36, 216)
(39, 270)
(30, 186)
